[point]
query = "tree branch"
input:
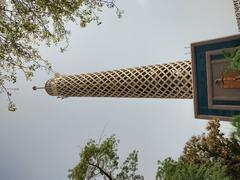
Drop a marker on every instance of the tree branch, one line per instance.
(101, 170)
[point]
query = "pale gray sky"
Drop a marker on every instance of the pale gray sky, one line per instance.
(42, 140)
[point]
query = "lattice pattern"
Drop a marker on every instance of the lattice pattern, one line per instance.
(173, 80)
(237, 12)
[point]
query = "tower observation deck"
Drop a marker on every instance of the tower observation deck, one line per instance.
(172, 80)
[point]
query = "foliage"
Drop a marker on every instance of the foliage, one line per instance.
(26, 23)
(214, 147)
(233, 58)
(236, 125)
(178, 170)
(101, 159)
(210, 151)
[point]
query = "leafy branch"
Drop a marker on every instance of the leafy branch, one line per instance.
(24, 24)
(101, 159)
(233, 58)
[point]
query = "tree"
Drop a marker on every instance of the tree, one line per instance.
(213, 147)
(101, 159)
(26, 23)
(233, 58)
(172, 170)
(207, 155)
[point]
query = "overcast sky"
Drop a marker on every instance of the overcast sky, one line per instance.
(42, 140)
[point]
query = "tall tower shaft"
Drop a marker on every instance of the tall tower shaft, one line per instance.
(172, 80)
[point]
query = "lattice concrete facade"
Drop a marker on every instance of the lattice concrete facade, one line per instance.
(173, 80)
(237, 12)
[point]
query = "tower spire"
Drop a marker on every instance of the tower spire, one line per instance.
(36, 88)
